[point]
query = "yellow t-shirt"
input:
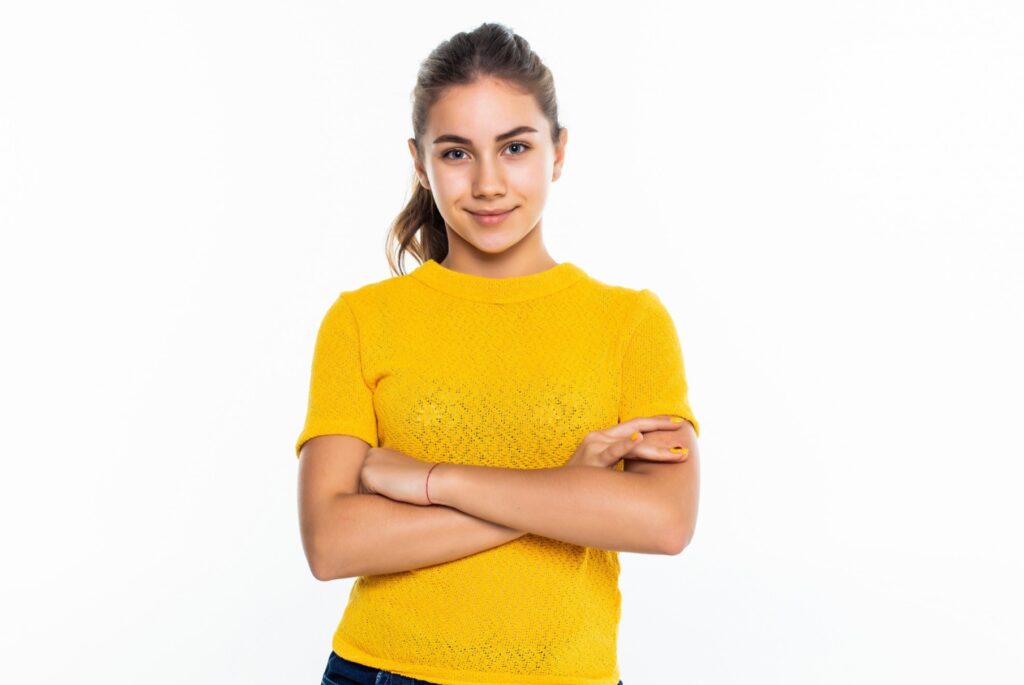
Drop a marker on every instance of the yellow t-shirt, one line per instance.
(509, 372)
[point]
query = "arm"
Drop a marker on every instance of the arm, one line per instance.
(367, 535)
(679, 482)
(581, 505)
(346, 533)
(631, 502)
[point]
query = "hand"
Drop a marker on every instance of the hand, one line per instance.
(394, 475)
(604, 448)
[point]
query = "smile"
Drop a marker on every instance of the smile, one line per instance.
(491, 219)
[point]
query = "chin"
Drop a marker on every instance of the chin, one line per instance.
(495, 244)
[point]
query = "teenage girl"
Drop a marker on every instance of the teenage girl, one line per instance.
(485, 433)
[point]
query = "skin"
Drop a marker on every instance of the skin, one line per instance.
(651, 506)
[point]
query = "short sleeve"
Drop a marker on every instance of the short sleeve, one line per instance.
(340, 401)
(653, 373)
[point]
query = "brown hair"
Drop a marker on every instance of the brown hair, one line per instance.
(489, 50)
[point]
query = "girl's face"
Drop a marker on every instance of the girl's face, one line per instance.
(487, 148)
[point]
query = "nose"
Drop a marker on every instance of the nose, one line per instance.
(490, 179)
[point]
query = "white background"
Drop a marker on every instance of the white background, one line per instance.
(827, 196)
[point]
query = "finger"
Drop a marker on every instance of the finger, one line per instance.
(615, 451)
(652, 452)
(645, 424)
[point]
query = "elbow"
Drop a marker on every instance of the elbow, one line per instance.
(324, 561)
(679, 534)
(320, 565)
(327, 568)
(677, 545)
(328, 547)
(320, 569)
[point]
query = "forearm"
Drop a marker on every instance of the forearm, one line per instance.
(367, 535)
(582, 505)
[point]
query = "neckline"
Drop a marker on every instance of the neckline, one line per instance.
(498, 290)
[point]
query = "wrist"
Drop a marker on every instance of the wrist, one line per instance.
(439, 484)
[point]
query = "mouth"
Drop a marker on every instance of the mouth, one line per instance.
(491, 217)
(491, 212)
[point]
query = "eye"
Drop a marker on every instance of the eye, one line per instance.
(445, 154)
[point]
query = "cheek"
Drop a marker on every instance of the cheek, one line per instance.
(531, 179)
(537, 185)
(448, 182)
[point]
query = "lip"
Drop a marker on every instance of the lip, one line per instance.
(489, 219)
(491, 212)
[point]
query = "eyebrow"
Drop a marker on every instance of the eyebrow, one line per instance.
(452, 138)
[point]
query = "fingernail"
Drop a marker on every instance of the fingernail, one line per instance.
(679, 450)
(676, 419)
(635, 435)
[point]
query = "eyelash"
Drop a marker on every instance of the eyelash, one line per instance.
(445, 154)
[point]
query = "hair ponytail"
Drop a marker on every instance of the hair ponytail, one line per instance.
(418, 229)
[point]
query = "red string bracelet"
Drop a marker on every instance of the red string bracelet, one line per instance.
(426, 486)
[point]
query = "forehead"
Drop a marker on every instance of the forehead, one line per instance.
(483, 109)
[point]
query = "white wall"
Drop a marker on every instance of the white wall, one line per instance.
(826, 195)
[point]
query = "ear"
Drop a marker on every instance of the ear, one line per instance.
(563, 137)
(421, 173)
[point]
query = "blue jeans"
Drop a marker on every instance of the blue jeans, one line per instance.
(341, 671)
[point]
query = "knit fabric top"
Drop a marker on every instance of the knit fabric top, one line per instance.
(511, 372)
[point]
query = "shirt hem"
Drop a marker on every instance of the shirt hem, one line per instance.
(347, 650)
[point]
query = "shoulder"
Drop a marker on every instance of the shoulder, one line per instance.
(370, 298)
(629, 305)
(620, 297)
